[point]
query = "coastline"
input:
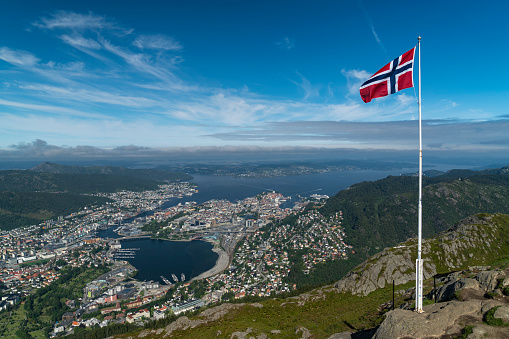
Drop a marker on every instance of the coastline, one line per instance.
(222, 263)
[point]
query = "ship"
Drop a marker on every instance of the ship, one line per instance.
(182, 277)
(166, 281)
(175, 278)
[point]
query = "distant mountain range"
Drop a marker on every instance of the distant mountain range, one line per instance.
(153, 174)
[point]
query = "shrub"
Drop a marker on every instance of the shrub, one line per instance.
(506, 290)
(466, 331)
(490, 295)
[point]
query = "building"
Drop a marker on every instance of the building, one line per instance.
(187, 306)
(138, 315)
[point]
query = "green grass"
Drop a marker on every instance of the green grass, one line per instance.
(329, 313)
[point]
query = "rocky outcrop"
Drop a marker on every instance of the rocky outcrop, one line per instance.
(470, 306)
(383, 269)
(439, 320)
(483, 281)
(465, 244)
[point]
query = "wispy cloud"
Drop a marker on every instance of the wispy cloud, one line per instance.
(286, 43)
(372, 27)
(49, 109)
(79, 22)
(18, 58)
(90, 96)
(354, 79)
(158, 41)
(79, 41)
(310, 90)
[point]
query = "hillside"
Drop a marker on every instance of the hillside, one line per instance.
(28, 208)
(336, 312)
(152, 174)
(383, 213)
(50, 190)
(28, 181)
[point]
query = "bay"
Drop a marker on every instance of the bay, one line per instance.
(156, 258)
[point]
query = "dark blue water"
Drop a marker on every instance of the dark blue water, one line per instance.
(234, 189)
(159, 257)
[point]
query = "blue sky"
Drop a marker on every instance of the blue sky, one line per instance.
(130, 76)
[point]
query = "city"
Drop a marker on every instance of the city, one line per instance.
(252, 241)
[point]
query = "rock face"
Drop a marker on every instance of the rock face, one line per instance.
(465, 244)
(439, 320)
(382, 269)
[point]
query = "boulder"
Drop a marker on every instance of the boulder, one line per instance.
(488, 280)
(502, 313)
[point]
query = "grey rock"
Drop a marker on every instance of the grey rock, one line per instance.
(438, 320)
(342, 335)
(502, 313)
(446, 292)
(305, 332)
(477, 333)
(488, 280)
(241, 335)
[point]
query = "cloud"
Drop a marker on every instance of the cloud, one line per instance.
(158, 41)
(91, 96)
(355, 78)
(310, 90)
(143, 63)
(222, 108)
(79, 41)
(18, 58)
(286, 43)
(48, 109)
(67, 20)
(463, 135)
(372, 27)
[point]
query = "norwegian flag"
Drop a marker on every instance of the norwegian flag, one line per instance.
(393, 77)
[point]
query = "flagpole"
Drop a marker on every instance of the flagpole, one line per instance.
(419, 267)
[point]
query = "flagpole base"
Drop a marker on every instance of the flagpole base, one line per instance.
(418, 287)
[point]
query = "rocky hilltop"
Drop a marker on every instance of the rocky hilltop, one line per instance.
(470, 304)
(474, 241)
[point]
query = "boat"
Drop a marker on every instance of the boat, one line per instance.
(182, 277)
(166, 281)
(174, 277)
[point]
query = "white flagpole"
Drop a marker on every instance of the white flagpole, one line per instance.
(419, 268)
